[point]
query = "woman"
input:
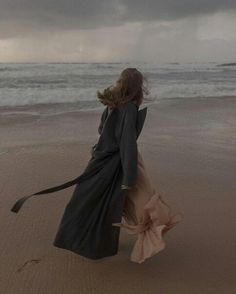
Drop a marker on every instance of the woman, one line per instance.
(114, 184)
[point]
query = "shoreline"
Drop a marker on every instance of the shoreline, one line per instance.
(75, 107)
(22, 131)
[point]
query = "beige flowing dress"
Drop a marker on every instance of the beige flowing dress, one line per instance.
(147, 215)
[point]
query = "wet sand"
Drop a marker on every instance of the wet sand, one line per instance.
(189, 147)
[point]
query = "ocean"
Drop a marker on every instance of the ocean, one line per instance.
(59, 87)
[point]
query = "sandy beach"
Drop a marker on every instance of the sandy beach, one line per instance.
(189, 147)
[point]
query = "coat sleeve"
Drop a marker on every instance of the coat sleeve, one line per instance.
(128, 147)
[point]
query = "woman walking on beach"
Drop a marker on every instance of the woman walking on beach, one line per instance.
(114, 190)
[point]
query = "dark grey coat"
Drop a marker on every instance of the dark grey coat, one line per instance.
(98, 200)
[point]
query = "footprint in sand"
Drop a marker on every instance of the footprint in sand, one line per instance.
(27, 263)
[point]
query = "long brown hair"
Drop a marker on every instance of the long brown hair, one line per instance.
(130, 86)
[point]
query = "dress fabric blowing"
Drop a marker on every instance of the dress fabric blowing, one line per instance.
(147, 215)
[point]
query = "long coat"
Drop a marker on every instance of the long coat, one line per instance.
(86, 227)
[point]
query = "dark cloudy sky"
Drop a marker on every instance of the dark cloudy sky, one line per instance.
(118, 30)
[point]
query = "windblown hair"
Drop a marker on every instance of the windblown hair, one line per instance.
(129, 87)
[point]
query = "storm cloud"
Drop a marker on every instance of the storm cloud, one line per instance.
(129, 24)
